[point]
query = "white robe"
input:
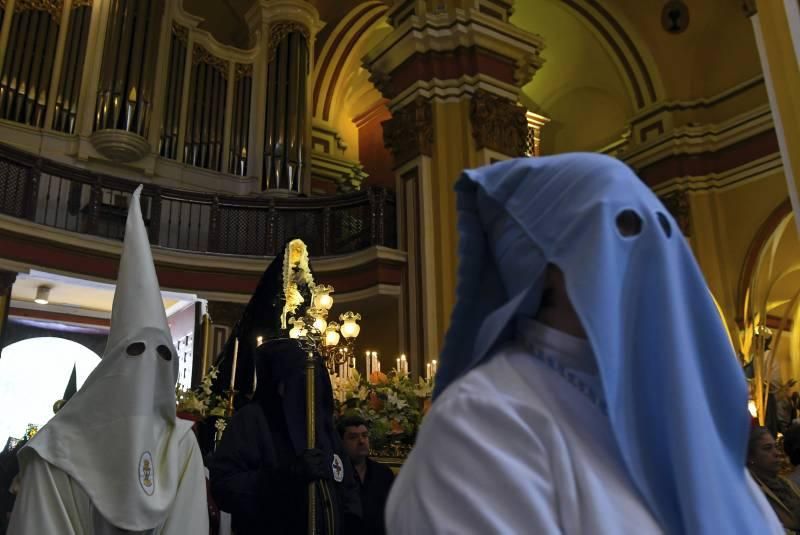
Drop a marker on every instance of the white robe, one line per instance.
(517, 446)
(49, 501)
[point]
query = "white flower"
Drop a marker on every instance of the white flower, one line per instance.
(395, 401)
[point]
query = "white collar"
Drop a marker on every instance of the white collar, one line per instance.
(572, 352)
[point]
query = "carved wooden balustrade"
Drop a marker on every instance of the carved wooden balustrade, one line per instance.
(53, 194)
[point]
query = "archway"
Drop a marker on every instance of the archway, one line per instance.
(769, 301)
(33, 376)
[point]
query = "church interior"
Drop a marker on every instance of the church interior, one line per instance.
(345, 124)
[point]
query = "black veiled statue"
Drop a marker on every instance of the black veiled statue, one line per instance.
(261, 470)
(266, 316)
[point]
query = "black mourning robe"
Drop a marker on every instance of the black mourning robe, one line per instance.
(250, 471)
(374, 492)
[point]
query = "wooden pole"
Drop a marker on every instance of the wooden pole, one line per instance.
(311, 440)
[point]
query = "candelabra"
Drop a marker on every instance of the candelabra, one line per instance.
(331, 340)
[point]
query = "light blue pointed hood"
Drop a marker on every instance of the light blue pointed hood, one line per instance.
(676, 396)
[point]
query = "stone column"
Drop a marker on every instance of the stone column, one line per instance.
(452, 74)
(777, 30)
(7, 279)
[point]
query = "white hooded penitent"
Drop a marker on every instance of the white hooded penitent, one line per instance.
(118, 437)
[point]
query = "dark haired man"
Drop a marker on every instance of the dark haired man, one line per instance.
(374, 478)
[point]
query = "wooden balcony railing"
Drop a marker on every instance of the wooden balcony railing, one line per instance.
(68, 198)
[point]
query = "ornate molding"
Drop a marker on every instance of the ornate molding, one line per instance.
(750, 8)
(409, 133)
(81, 3)
(53, 7)
(120, 145)
(181, 32)
(498, 124)
(275, 18)
(468, 46)
(527, 66)
(201, 54)
(279, 30)
(243, 70)
(677, 203)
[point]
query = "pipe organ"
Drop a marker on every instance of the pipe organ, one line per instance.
(240, 122)
(28, 62)
(138, 80)
(125, 92)
(168, 144)
(66, 104)
(207, 96)
(284, 149)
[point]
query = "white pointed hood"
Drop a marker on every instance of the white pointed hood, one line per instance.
(137, 299)
(118, 436)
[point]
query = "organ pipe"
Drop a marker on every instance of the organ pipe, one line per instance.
(206, 117)
(68, 95)
(28, 62)
(285, 121)
(240, 123)
(171, 120)
(128, 67)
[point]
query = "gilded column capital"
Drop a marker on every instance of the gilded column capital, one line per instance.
(409, 133)
(498, 124)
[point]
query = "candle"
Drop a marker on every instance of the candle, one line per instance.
(368, 363)
(428, 371)
(235, 358)
(434, 367)
(398, 367)
(403, 364)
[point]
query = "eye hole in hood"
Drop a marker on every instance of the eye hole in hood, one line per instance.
(164, 352)
(629, 223)
(135, 349)
(662, 219)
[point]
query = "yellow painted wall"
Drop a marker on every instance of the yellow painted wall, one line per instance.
(579, 87)
(724, 223)
(453, 151)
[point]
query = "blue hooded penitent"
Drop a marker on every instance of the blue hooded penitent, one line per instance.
(675, 394)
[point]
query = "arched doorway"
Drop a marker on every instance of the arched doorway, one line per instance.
(33, 376)
(769, 303)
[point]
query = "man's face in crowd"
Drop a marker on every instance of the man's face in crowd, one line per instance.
(356, 442)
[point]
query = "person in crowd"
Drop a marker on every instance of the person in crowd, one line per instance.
(784, 408)
(791, 447)
(764, 465)
(587, 384)
(262, 468)
(374, 479)
(115, 459)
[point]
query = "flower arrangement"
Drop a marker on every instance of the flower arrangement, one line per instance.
(200, 401)
(392, 404)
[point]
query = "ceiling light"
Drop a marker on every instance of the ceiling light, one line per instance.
(42, 295)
